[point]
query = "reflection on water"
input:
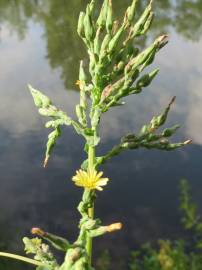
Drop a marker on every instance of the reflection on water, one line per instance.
(59, 20)
(38, 45)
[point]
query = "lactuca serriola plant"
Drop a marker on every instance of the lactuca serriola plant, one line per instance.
(115, 70)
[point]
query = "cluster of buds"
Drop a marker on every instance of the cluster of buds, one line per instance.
(147, 138)
(114, 63)
(41, 252)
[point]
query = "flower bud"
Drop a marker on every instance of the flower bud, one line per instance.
(114, 41)
(130, 13)
(88, 26)
(146, 79)
(109, 21)
(97, 42)
(139, 26)
(168, 132)
(80, 27)
(103, 14)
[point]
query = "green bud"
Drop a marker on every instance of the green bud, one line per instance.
(97, 42)
(114, 41)
(140, 59)
(146, 57)
(131, 11)
(103, 14)
(118, 69)
(88, 26)
(128, 138)
(129, 80)
(104, 46)
(168, 132)
(109, 21)
(147, 24)
(80, 27)
(146, 79)
(139, 26)
(158, 121)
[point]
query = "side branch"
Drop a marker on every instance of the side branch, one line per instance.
(148, 137)
(20, 258)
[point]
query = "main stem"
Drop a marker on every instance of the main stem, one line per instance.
(91, 162)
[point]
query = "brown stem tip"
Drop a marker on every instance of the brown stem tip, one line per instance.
(114, 227)
(45, 162)
(188, 142)
(38, 231)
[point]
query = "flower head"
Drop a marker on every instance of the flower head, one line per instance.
(80, 84)
(90, 179)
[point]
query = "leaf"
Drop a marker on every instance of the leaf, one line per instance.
(52, 138)
(44, 104)
(40, 100)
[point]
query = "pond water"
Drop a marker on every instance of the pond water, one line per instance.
(39, 45)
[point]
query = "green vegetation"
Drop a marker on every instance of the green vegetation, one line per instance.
(180, 254)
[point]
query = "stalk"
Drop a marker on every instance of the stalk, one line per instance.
(91, 161)
(20, 258)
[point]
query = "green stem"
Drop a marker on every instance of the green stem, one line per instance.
(91, 157)
(91, 162)
(20, 258)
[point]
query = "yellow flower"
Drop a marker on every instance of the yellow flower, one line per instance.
(80, 84)
(90, 179)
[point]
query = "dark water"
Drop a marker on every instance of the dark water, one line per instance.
(39, 45)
